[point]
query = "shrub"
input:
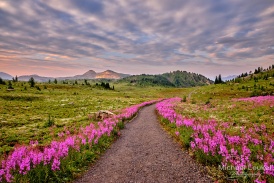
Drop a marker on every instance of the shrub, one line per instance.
(2, 82)
(49, 122)
(207, 102)
(31, 82)
(10, 85)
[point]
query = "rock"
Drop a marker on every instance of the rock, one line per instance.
(102, 114)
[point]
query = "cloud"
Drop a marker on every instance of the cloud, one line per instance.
(87, 6)
(179, 34)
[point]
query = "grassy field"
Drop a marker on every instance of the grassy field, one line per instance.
(223, 126)
(217, 102)
(32, 114)
(42, 112)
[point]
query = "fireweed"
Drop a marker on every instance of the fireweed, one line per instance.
(263, 100)
(27, 157)
(249, 148)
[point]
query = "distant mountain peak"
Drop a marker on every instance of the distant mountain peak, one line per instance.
(90, 73)
(229, 77)
(108, 71)
(4, 75)
(109, 74)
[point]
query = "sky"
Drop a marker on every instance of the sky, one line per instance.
(69, 37)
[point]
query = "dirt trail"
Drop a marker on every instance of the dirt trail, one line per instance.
(189, 95)
(145, 153)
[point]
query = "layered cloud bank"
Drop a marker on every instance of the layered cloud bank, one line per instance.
(60, 37)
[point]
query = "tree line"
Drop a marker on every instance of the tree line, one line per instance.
(218, 80)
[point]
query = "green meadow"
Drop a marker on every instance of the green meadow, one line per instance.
(216, 102)
(41, 112)
(219, 102)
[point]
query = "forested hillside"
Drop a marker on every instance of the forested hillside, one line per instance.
(171, 79)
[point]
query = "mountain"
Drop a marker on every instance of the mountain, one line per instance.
(91, 74)
(35, 77)
(108, 74)
(172, 79)
(229, 77)
(6, 76)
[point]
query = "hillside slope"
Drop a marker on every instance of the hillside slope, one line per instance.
(260, 82)
(4, 75)
(172, 79)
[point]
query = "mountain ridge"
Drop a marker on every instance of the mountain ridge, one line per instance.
(171, 79)
(90, 74)
(4, 75)
(226, 78)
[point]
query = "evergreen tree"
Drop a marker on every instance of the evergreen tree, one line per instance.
(55, 81)
(31, 82)
(38, 88)
(107, 86)
(2, 82)
(49, 81)
(216, 80)
(220, 79)
(103, 84)
(16, 78)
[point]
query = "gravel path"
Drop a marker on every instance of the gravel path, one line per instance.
(144, 153)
